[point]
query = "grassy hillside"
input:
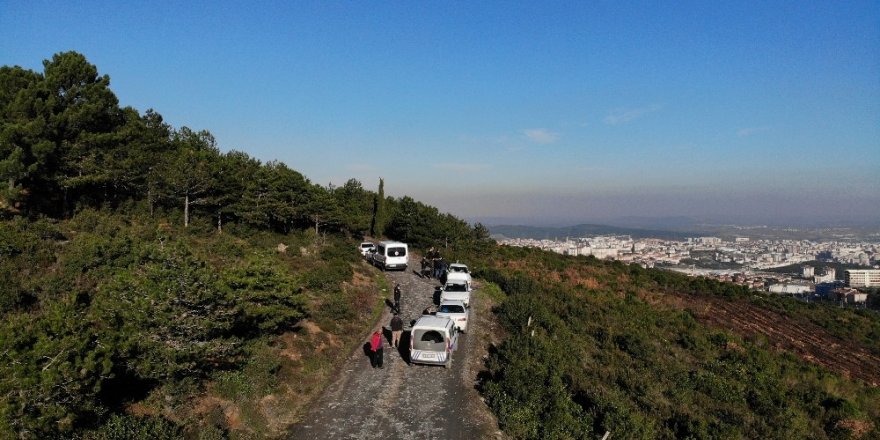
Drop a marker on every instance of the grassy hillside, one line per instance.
(596, 347)
(114, 325)
(154, 287)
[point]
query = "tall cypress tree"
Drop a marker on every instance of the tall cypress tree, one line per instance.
(377, 226)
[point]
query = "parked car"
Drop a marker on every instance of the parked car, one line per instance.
(456, 311)
(458, 271)
(391, 255)
(367, 247)
(456, 290)
(432, 341)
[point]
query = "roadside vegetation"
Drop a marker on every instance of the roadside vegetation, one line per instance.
(592, 348)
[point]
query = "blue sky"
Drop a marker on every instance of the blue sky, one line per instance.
(539, 112)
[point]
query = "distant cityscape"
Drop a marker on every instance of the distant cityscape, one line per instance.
(778, 266)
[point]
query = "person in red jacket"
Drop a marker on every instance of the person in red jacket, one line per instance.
(376, 357)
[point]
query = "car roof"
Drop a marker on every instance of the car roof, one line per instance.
(457, 265)
(433, 322)
(453, 302)
(391, 243)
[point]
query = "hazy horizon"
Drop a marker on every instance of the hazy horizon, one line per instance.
(557, 112)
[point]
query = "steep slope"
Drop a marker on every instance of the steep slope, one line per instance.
(599, 347)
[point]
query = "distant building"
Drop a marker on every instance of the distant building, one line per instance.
(741, 239)
(849, 296)
(825, 289)
(709, 240)
(862, 277)
(807, 272)
(789, 289)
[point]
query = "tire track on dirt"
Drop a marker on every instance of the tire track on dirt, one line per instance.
(807, 340)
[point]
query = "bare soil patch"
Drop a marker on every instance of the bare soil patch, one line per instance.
(805, 339)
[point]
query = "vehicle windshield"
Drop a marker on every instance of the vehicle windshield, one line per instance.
(451, 308)
(458, 269)
(429, 340)
(397, 252)
(455, 288)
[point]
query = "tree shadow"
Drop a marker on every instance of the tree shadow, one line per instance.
(485, 376)
(391, 307)
(403, 349)
(367, 350)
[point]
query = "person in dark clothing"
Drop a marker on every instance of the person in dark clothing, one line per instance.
(438, 265)
(397, 294)
(426, 268)
(376, 356)
(440, 272)
(396, 330)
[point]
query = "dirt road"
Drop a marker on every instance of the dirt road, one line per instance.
(403, 400)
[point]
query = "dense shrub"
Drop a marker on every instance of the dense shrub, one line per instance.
(580, 362)
(268, 299)
(129, 427)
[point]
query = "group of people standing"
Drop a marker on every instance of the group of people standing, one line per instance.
(433, 265)
(376, 343)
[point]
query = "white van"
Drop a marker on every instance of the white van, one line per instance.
(391, 255)
(432, 341)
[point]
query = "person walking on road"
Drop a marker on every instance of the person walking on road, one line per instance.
(397, 293)
(376, 356)
(396, 330)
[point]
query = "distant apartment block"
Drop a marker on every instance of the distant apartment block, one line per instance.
(712, 241)
(862, 277)
(808, 271)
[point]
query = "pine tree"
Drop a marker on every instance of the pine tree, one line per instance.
(377, 226)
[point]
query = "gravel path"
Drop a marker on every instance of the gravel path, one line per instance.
(402, 400)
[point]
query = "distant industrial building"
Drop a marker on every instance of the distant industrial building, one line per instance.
(862, 277)
(824, 290)
(849, 296)
(789, 289)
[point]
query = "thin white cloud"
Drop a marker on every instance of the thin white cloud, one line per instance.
(624, 115)
(541, 136)
(751, 131)
(460, 167)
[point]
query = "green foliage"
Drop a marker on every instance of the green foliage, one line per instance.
(580, 362)
(269, 299)
(257, 377)
(180, 303)
(129, 427)
(122, 309)
(54, 371)
(98, 315)
(380, 214)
